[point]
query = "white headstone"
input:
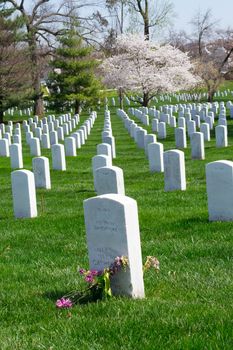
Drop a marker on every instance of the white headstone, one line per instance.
(45, 141)
(24, 194)
(149, 138)
(100, 161)
(111, 141)
(174, 170)
(155, 124)
(180, 137)
(162, 133)
(109, 180)
(70, 146)
(58, 157)
(53, 137)
(41, 172)
(112, 229)
(16, 156)
(60, 133)
(191, 125)
(219, 179)
(155, 153)
(197, 145)
(205, 129)
(4, 148)
(221, 136)
(76, 136)
(104, 148)
(35, 147)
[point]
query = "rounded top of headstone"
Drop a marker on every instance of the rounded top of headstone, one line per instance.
(112, 197)
(220, 164)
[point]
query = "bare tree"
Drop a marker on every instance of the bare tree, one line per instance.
(203, 25)
(118, 10)
(153, 13)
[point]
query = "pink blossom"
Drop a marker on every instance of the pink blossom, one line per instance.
(63, 303)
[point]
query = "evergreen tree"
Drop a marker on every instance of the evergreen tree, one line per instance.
(73, 82)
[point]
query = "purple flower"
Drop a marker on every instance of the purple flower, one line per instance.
(94, 272)
(89, 278)
(82, 271)
(63, 303)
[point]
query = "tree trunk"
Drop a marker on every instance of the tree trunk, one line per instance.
(121, 98)
(1, 110)
(77, 107)
(145, 99)
(146, 29)
(1, 116)
(211, 95)
(38, 105)
(34, 55)
(145, 16)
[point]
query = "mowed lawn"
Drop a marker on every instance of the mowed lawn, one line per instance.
(188, 304)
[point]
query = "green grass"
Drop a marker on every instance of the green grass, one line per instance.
(188, 305)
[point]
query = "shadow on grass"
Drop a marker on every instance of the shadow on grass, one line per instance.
(85, 190)
(194, 220)
(77, 297)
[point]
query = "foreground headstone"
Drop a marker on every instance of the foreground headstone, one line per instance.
(155, 154)
(58, 157)
(109, 180)
(112, 230)
(41, 172)
(24, 194)
(174, 170)
(219, 180)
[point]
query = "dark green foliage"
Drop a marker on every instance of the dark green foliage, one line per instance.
(73, 81)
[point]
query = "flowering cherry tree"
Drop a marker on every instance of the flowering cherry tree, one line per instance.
(147, 68)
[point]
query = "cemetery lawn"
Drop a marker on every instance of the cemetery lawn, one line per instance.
(188, 304)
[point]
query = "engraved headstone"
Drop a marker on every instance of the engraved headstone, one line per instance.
(112, 230)
(41, 172)
(109, 180)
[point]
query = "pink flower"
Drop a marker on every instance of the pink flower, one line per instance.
(89, 278)
(63, 303)
(94, 272)
(82, 271)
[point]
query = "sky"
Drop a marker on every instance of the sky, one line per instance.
(222, 10)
